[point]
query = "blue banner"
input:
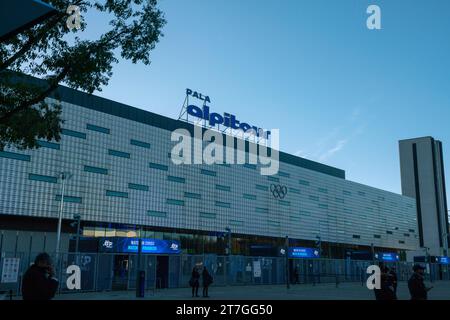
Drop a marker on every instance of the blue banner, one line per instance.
(300, 252)
(444, 260)
(131, 245)
(387, 257)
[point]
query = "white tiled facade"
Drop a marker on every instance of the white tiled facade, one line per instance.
(238, 197)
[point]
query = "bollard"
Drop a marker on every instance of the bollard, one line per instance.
(141, 284)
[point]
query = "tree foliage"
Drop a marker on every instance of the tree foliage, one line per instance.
(51, 51)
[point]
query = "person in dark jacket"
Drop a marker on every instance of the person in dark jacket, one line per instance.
(386, 292)
(194, 282)
(394, 278)
(38, 281)
(207, 280)
(416, 284)
(296, 276)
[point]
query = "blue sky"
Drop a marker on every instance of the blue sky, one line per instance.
(339, 93)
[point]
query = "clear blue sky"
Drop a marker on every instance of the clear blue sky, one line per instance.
(341, 94)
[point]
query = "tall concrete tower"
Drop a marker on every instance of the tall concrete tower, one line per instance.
(422, 175)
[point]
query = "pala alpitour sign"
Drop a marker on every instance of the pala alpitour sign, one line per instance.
(216, 120)
(224, 140)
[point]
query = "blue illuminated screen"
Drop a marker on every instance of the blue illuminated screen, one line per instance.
(131, 245)
(387, 256)
(300, 252)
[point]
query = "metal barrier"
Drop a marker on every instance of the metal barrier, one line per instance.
(107, 272)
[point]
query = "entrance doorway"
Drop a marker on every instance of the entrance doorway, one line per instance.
(162, 272)
(121, 272)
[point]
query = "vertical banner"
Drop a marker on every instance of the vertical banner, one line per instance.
(10, 270)
(257, 269)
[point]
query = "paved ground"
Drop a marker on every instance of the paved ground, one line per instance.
(345, 291)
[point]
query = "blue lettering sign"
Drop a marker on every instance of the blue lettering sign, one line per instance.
(214, 119)
(131, 245)
(444, 260)
(304, 253)
(387, 256)
(197, 95)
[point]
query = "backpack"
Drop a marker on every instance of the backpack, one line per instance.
(210, 279)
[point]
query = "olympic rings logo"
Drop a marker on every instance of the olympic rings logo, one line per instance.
(278, 191)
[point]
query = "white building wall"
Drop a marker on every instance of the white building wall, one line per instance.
(316, 204)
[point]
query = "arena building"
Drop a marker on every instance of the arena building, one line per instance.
(121, 183)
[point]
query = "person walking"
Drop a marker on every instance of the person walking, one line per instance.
(207, 280)
(39, 282)
(386, 292)
(296, 276)
(194, 282)
(394, 278)
(416, 284)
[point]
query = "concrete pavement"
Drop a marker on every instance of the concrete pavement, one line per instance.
(345, 291)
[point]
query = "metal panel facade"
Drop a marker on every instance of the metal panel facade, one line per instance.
(316, 203)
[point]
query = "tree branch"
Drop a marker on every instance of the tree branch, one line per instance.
(53, 84)
(31, 41)
(38, 98)
(34, 39)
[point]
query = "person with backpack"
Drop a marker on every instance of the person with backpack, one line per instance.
(387, 291)
(393, 274)
(207, 280)
(39, 282)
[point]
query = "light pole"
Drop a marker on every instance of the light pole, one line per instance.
(288, 277)
(228, 262)
(319, 245)
(64, 176)
(78, 218)
(76, 224)
(372, 249)
(228, 230)
(426, 253)
(203, 247)
(427, 260)
(140, 274)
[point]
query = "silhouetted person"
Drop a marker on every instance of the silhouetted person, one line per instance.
(416, 284)
(386, 292)
(194, 282)
(38, 281)
(122, 272)
(207, 280)
(394, 278)
(296, 276)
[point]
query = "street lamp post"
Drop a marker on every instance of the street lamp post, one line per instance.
(78, 217)
(64, 176)
(227, 265)
(228, 230)
(372, 249)
(427, 260)
(288, 277)
(203, 247)
(319, 245)
(140, 275)
(76, 224)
